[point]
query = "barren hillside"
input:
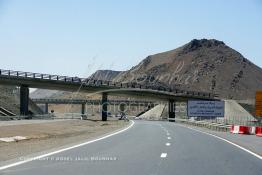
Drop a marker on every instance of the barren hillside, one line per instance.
(201, 65)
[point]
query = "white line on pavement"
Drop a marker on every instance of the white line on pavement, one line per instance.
(225, 140)
(168, 144)
(163, 155)
(169, 138)
(66, 149)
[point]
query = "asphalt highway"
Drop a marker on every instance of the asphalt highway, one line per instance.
(147, 148)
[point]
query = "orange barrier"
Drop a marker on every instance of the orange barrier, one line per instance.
(259, 131)
(236, 129)
(243, 130)
(231, 128)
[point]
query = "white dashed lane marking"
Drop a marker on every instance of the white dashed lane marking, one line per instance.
(163, 155)
(169, 138)
(168, 144)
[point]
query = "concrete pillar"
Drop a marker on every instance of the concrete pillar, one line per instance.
(24, 100)
(83, 109)
(104, 106)
(46, 108)
(172, 109)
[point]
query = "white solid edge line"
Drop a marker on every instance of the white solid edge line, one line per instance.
(66, 149)
(225, 140)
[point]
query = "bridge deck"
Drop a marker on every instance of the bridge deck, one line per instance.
(65, 83)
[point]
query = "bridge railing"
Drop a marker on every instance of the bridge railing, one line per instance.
(93, 82)
(85, 101)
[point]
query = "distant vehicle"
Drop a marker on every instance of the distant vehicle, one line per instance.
(123, 116)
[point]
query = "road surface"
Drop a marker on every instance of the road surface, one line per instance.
(147, 148)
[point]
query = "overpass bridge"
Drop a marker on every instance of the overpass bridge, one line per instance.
(26, 80)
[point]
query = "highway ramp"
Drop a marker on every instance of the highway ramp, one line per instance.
(149, 147)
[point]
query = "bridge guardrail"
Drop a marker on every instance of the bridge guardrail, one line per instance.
(83, 101)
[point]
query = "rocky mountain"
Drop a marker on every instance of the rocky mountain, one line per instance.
(44, 93)
(108, 75)
(201, 65)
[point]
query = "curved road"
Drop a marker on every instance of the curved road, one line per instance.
(147, 148)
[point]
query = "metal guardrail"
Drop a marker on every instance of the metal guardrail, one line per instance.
(93, 82)
(83, 101)
(206, 124)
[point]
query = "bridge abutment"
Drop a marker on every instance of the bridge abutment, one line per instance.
(104, 106)
(24, 100)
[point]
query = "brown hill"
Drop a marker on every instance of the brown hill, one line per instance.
(201, 65)
(107, 75)
(45, 93)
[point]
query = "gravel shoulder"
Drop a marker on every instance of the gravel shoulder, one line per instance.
(47, 136)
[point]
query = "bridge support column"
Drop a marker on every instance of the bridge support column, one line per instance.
(104, 106)
(24, 100)
(46, 108)
(122, 107)
(172, 110)
(83, 109)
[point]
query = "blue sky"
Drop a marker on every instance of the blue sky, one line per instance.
(77, 37)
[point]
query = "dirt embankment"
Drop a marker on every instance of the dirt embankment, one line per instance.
(51, 135)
